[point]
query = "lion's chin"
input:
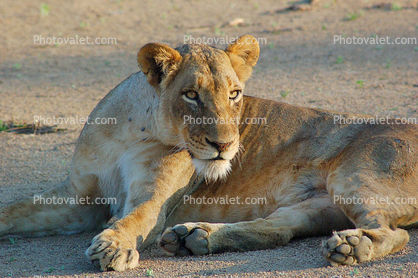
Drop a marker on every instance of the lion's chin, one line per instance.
(212, 170)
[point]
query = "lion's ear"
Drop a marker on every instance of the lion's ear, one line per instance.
(158, 61)
(243, 54)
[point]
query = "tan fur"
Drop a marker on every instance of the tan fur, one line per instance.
(296, 161)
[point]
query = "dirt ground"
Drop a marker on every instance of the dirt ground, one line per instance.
(299, 64)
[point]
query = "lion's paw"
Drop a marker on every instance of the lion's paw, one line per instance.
(185, 239)
(108, 252)
(347, 248)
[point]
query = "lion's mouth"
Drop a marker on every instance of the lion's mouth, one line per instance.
(212, 164)
(217, 158)
(193, 156)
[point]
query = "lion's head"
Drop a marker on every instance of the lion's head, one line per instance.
(200, 90)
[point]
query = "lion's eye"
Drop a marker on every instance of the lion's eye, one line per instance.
(191, 95)
(234, 94)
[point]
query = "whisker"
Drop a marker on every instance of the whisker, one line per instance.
(179, 147)
(237, 157)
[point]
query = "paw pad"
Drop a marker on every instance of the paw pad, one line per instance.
(347, 248)
(182, 241)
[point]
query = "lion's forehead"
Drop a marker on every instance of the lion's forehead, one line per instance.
(216, 77)
(205, 59)
(199, 50)
(208, 71)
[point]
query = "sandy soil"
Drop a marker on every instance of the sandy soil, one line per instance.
(299, 64)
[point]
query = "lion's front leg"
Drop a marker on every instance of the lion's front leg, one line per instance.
(205, 238)
(116, 247)
(111, 250)
(312, 217)
(153, 189)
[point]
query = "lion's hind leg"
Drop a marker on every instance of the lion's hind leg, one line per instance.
(361, 245)
(60, 210)
(316, 216)
(375, 205)
(374, 237)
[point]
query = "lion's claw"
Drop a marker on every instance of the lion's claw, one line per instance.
(107, 252)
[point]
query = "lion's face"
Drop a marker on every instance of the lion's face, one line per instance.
(205, 99)
(200, 90)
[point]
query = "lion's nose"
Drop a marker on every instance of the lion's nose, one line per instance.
(219, 146)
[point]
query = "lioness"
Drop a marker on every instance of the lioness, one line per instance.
(308, 169)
